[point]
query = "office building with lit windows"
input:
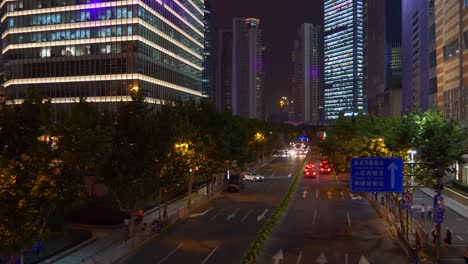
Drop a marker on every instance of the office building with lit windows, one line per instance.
(102, 49)
(307, 74)
(419, 55)
(247, 69)
(384, 57)
(344, 58)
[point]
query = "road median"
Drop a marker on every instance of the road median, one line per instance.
(262, 236)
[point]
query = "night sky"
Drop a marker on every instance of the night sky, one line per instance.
(280, 21)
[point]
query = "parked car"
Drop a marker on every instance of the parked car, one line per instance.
(235, 181)
(253, 176)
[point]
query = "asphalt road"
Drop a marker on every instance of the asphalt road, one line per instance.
(325, 224)
(222, 230)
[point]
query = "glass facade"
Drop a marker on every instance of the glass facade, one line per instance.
(102, 49)
(344, 58)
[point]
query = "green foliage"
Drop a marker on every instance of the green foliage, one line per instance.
(33, 187)
(439, 143)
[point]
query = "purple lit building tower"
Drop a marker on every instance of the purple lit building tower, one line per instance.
(103, 50)
(307, 88)
(247, 69)
(419, 76)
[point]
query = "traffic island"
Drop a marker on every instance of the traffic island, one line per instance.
(264, 234)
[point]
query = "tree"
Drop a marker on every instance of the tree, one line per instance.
(32, 185)
(129, 169)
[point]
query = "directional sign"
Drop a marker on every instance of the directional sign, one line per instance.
(439, 209)
(377, 175)
(407, 200)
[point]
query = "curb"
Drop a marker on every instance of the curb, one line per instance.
(69, 251)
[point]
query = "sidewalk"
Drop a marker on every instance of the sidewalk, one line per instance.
(449, 202)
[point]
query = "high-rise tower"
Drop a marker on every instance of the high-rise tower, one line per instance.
(247, 69)
(101, 50)
(344, 58)
(306, 85)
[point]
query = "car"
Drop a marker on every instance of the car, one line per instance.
(325, 169)
(310, 165)
(253, 176)
(310, 173)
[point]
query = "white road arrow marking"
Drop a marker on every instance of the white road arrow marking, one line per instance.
(231, 216)
(363, 260)
(322, 259)
(351, 195)
(342, 195)
(248, 213)
(329, 193)
(392, 167)
(200, 214)
(304, 194)
(299, 257)
(357, 197)
(315, 216)
(208, 257)
(172, 252)
(289, 175)
(349, 219)
(216, 215)
(260, 217)
(459, 237)
(278, 256)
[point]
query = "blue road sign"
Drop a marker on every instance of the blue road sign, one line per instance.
(377, 175)
(439, 209)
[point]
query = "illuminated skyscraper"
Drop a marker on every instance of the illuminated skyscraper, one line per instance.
(307, 76)
(344, 58)
(101, 50)
(247, 68)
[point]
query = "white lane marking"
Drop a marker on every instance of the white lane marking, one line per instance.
(200, 214)
(216, 215)
(329, 193)
(299, 257)
(342, 195)
(349, 219)
(316, 194)
(260, 217)
(289, 175)
(278, 256)
(172, 252)
(346, 258)
(338, 181)
(315, 216)
(460, 219)
(208, 257)
(459, 237)
(243, 218)
(304, 193)
(231, 216)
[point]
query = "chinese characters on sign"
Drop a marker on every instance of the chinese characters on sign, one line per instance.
(376, 175)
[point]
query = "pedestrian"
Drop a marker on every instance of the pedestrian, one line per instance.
(423, 212)
(465, 255)
(434, 234)
(429, 212)
(448, 236)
